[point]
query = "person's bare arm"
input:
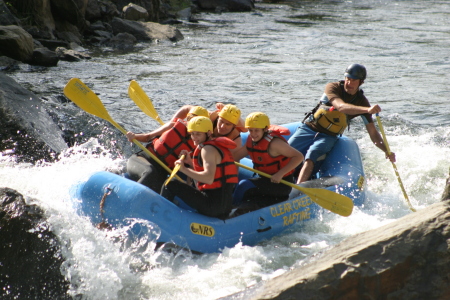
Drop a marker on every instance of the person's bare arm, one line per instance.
(182, 112)
(147, 137)
(377, 139)
(351, 109)
(279, 147)
(239, 153)
(211, 158)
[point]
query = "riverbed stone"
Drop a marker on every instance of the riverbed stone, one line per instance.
(146, 30)
(71, 55)
(406, 259)
(446, 193)
(153, 7)
(122, 41)
(26, 128)
(227, 5)
(16, 43)
(30, 253)
(44, 57)
(134, 12)
(6, 17)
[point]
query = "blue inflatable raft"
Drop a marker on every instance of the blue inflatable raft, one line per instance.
(110, 198)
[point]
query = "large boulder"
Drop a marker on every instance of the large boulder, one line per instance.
(45, 57)
(41, 13)
(446, 193)
(134, 12)
(153, 7)
(16, 43)
(6, 17)
(30, 254)
(227, 5)
(406, 259)
(25, 126)
(69, 11)
(146, 30)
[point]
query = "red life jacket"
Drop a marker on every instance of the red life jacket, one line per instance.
(259, 152)
(226, 170)
(169, 145)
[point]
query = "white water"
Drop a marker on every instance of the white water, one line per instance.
(279, 68)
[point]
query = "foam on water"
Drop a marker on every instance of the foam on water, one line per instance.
(258, 62)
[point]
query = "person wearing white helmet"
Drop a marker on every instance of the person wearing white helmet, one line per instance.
(166, 143)
(341, 102)
(270, 154)
(211, 166)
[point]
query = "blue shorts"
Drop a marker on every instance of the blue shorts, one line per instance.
(312, 144)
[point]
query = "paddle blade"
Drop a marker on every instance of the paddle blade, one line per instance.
(334, 202)
(141, 99)
(175, 170)
(85, 98)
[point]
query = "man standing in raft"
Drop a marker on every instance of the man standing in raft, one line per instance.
(341, 102)
(212, 167)
(270, 154)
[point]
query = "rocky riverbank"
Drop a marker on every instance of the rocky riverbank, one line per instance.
(42, 32)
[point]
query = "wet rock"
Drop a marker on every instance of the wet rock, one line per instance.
(38, 33)
(135, 12)
(69, 37)
(446, 193)
(71, 55)
(8, 64)
(53, 44)
(122, 41)
(67, 12)
(41, 12)
(25, 125)
(16, 43)
(30, 254)
(226, 5)
(146, 30)
(6, 17)
(406, 259)
(185, 14)
(44, 57)
(93, 10)
(153, 7)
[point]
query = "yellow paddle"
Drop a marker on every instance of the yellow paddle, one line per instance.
(175, 170)
(380, 125)
(334, 202)
(88, 101)
(141, 99)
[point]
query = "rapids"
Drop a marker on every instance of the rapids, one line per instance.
(276, 59)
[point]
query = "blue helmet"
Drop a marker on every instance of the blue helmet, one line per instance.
(356, 71)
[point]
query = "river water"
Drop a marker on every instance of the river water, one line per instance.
(276, 59)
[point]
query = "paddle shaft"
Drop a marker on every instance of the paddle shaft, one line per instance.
(334, 202)
(380, 125)
(87, 100)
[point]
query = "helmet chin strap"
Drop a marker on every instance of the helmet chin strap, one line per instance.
(208, 136)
